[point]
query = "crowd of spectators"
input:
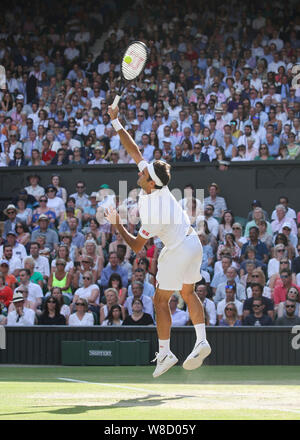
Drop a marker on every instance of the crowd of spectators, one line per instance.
(219, 86)
(62, 263)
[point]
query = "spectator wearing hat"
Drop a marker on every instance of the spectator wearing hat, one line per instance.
(34, 189)
(9, 225)
(21, 316)
(216, 201)
(43, 229)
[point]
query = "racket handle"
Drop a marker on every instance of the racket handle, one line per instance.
(116, 102)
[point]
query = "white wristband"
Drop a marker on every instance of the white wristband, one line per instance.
(116, 124)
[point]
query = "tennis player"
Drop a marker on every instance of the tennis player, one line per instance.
(179, 261)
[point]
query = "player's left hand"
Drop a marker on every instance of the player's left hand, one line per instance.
(112, 216)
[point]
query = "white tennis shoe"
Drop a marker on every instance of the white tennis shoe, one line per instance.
(164, 363)
(197, 356)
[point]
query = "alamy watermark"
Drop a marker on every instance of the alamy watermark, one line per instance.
(296, 338)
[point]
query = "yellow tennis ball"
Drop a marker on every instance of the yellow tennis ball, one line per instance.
(128, 59)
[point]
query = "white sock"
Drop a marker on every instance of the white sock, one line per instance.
(200, 332)
(164, 346)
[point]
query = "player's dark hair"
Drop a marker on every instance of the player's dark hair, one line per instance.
(162, 170)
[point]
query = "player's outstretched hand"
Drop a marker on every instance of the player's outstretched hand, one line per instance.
(112, 216)
(113, 112)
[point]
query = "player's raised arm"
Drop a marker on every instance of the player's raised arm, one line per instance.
(126, 140)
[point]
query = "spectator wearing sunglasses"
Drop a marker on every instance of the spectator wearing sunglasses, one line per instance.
(290, 317)
(231, 317)
(51, 314)
(90, 292)
(81, 317)
(257, 317)
(283, 285)
(274, 263)
(294, 296)
(257, 294)
(230, 296)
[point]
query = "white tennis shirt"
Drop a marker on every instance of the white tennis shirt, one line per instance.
(162, 216)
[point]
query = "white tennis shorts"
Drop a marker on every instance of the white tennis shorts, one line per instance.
(180, 265)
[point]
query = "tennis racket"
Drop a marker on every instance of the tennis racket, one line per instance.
(2, 78)
(132, 65)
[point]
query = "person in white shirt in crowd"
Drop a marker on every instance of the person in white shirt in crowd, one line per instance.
(230, 292)
(21, 316)
(212, 223)
(231, 279)
(81, 197)
(290, 213)
(18, 249)
(34, 189)
(137, 288)
(146, 148)
(89, 291)
(41, 263)
(179, 317)
(281, 218)
(218, 202)
(55, 203)
(99, 157)
(35, 293)
(14, 263)
(208, 304)
(81, 318)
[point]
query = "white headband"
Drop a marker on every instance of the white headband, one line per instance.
(143, 164)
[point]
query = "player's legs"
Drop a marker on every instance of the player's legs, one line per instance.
(194, 304)
(165, 358)
(202, 348)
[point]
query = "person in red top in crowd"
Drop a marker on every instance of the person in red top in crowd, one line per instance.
(47, 153)
(10, 279)
(283, 285)
(6, 293)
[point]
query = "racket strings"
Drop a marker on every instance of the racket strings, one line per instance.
(137, 56)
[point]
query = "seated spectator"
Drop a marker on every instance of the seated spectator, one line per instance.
(90, 291)
(255, 204)
(208, 255)
(35, 277)
(18, 250)
(289, 212)
(274, 263)
(179, 317)
(282, 239)
(246, 279)
(64, 309)
(148, 288)
(14, 263)
(84, 264)
(34, 189)
(220, 274)
(138, 316)
(43, 209)
(21, 315)
(113, 267)
(90, 249)
(225, 226)
(281, 218)
(257, 294)
(296, 262)
(125, 264)
(258, 276)
(264, 236)
(208, 304)
(41, 264)
(258, 215)
(35, 293)
(24, 214)
(10, 224)
(61, 192)
(212, 223)
(114, 316)
(261, 250)
(257, 317)
(290, 317)
(43, 229)
(81, 317)
(59, 277)
(232, 279)
(51, 314)
(230, 246)
(217, 202)
(63, 253)
(23, 234)
(143, 263)
(230, 292)
(55, 203)
(283, 285)
(237, 231)
(10, 279)
(231, 316)
(111, 298)
(137, 291)
(6, 293)
(3, 314)
(294, 296)
(115, 281)
(119, 240)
